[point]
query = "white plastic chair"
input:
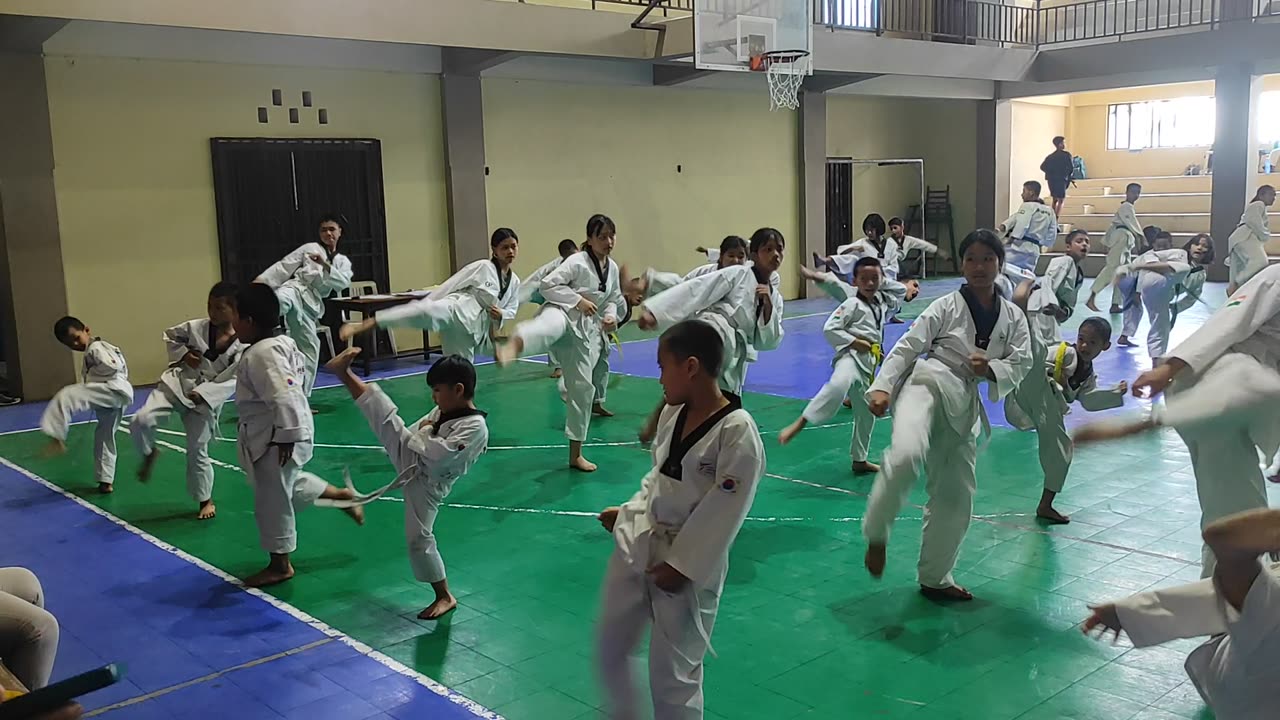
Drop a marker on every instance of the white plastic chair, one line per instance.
(368, 287)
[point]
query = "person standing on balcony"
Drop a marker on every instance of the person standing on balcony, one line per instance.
(1057, 171)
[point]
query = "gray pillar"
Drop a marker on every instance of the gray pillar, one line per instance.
(1235, 155)
(33, 291)
(995, 132)
(463, 108)
(812, 146)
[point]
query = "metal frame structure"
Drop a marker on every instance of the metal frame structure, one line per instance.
(890, 162)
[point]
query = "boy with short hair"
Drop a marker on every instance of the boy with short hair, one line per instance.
(1063, 374)
(1120, 241)
(1026, 231)
(429, 456)
(104, 388)
(201, 377)
(277, 431)
(856, 331)
(672, 539)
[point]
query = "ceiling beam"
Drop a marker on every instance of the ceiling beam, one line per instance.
(674, 75)
(472, 62)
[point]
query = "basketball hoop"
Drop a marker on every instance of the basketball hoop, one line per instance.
(786, 70)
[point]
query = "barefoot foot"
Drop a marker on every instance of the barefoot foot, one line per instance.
(53, 448)
(581, 464)
(355, 513)
(862, 467)
(269, 576)
(847, 403)
(875, 559)
(954, 593)
(1091, 305)
(207, 510)
(148, 462)
(106, 488)
(601, 410)
(508, 351)
(1124, 341)
(341, 362)
(1051, 516)
(557, 373)
(438, 608)
(1115, 310)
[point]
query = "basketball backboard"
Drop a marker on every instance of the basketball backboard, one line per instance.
(728, 33)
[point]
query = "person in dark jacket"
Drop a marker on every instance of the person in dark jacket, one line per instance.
(1057, 172)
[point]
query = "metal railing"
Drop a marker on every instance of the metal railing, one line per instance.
(1034, 23)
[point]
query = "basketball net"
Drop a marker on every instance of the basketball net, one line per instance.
(786, 71)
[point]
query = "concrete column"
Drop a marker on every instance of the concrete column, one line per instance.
(33, 292)
(1235, 155)
(463, 108)
(994, 143)
(812, 130)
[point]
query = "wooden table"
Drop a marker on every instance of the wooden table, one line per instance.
(366, 306)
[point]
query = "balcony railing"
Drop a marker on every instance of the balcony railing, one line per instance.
(1034, 23)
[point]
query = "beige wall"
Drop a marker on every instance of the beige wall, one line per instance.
(559, 152)
(941, 132)
(135, 191)
(1087, 131)
(1033, 129)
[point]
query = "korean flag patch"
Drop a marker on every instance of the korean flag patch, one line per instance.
(729, 485)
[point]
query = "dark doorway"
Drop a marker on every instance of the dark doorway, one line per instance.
(839, 204)
(270, 194)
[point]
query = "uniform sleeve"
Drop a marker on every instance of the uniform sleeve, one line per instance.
(283, 393)
(1249, 309)
(218, 390)
(530, 284)
(703, 542)
(836, 329)
(1016, 225)
(511, 304)
(1094, 399)
(339, 275)
(467, 277)
(1255, 217)
(557, 286)
(614, 305)
(1255, 630)
(892, 293)
(277, 274)
(690, 298)
(177, 342)
(1017, 362)
(918, 338)
(101, 356)
(1185, 611)
(769, 333)
(910, 243)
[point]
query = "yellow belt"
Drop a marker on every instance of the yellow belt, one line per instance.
(1059, 362)
(877, 353)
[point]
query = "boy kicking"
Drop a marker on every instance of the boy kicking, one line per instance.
(104, 388)
(429, 455)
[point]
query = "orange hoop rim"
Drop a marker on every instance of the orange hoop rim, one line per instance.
(783, 56)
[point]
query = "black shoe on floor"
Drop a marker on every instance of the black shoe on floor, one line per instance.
(7, 400)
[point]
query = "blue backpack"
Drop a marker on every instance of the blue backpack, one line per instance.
(1077, 168)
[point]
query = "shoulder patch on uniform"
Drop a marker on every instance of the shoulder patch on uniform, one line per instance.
(1236, 300)
(729, 485)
